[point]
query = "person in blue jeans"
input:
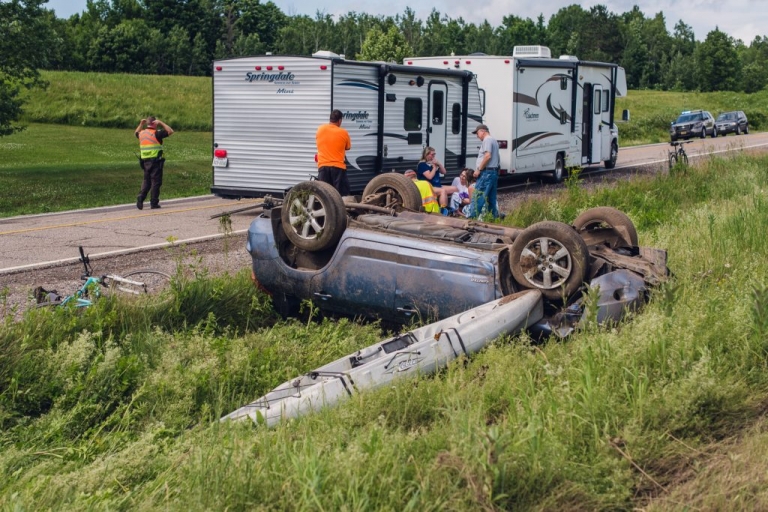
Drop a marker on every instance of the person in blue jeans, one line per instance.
(487, 174)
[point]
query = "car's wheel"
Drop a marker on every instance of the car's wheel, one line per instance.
(703, 132)
(313, 215)
(746, 129)
(550, 257)
(607, 217)
(558, 175)
(392, 190)
(610, 164)
(673, 139)
(714, 132)
(738, 129)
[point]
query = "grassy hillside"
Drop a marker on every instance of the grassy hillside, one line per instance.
(50, 168)
(116, 407)
(652, 111)
(120, 100)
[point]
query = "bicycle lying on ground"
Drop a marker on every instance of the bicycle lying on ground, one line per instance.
(678, 154)
(138, 282)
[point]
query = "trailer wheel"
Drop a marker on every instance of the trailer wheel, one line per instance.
(603, 217)
(610, 164)
(392, 190)
(313, 215)
(558, 175)
(550, 257)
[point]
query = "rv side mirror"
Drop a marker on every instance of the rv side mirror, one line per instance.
(625, 115)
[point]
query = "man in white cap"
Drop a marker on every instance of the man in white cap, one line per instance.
(487, 174)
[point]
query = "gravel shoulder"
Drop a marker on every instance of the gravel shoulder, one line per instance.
(216, 256)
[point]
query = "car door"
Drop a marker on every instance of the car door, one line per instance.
(433, 283)
(359, 280)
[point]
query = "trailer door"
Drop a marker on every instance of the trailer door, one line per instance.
(438, 99)
(597, 123)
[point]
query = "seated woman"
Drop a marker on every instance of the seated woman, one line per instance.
(462, 196)
(430, 169)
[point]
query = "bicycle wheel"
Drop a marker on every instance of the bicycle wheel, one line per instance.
(672, 160)
(139, 282)
(685, 158)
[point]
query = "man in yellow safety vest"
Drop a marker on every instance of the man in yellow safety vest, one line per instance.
(151, 133)
(428, 199)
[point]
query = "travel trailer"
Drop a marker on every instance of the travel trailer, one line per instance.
(266, 111)
(547, 114)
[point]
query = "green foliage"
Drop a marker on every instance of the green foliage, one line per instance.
(718, 67)
(389, 46)
(116, 406)
(24, 40)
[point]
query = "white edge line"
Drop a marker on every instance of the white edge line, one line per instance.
(34, 266)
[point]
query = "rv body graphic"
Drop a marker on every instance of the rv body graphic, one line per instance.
(266, 111)
(547, 114)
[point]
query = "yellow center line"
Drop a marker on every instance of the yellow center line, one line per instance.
(112, 219)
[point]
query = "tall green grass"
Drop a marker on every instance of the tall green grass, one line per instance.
(651, 112)
(55, 167)
(116, 407)
(120, 100)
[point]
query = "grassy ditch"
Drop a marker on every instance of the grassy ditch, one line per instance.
(49, 168)
(116, 407)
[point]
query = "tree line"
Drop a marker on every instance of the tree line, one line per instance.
(183, 37)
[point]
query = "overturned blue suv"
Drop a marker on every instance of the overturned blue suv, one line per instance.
(380, 257)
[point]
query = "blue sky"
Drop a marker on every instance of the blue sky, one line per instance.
(742, 19)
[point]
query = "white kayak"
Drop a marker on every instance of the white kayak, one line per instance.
(418, 352)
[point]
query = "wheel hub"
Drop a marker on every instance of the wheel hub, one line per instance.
(553, 264)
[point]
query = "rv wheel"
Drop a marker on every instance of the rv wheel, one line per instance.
(313, 216)
(603, 224)
(558, 175)
(392, 190)
(610, 164)
(550, 257)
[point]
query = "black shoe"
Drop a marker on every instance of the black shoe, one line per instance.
(139, 203)
(155, 207)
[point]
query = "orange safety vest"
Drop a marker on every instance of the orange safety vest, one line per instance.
(149, 146)
(428, 200)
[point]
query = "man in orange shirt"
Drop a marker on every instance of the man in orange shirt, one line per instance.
(332, 143)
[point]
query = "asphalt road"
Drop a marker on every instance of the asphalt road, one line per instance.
(33, 241)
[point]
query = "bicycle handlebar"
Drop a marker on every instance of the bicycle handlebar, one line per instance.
(680, 142)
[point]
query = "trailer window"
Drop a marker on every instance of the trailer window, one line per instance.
(456, 118)
(412, 114)
(597, 102)
(605, 101)
(438, 107)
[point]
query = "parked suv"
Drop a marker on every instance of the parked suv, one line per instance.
(732, 122)
(693, 123)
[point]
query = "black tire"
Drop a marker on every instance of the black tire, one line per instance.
(738, 129)
(746, 129)
(151, 282)
(550, 257)
(313, 215)
(610, 164)
(673, 139)
(559, 173)
(703, 132)
(392, 190)
(714, 132)
(672, 160)
(607, 217)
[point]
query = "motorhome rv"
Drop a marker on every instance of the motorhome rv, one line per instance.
(547, 114)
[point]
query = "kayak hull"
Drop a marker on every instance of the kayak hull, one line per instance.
(421, 351)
